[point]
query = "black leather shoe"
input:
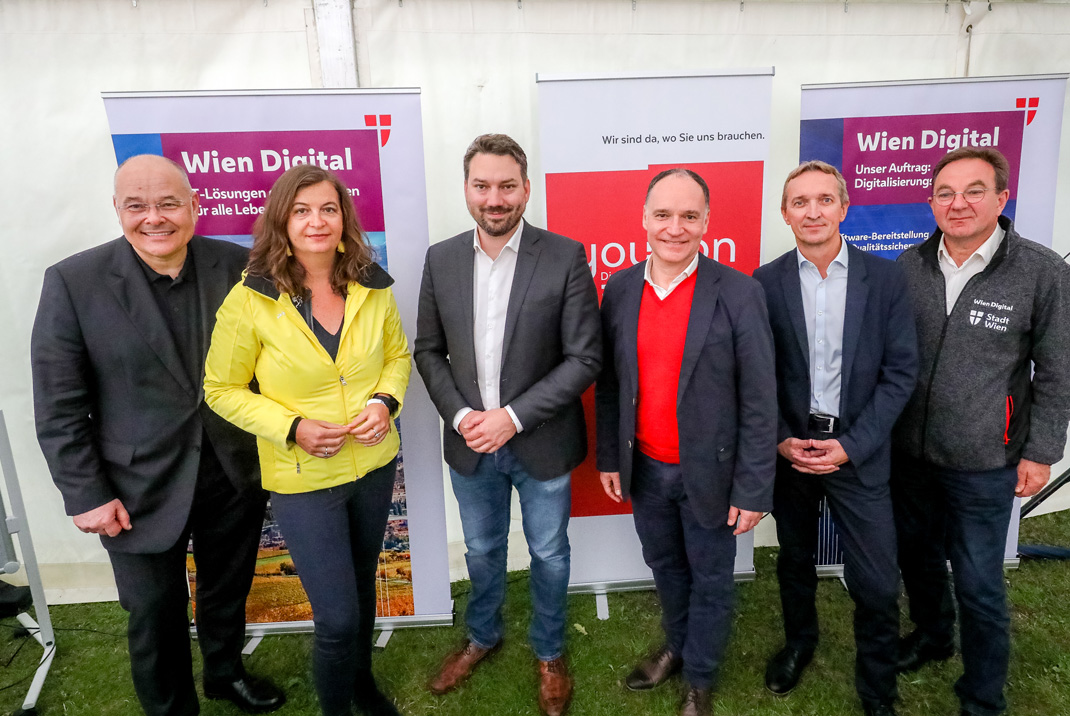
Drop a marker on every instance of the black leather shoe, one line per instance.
(248, 693)
(916, 650)
(654, 670)
(369, 699)
(783, 671)
(879, 710)
(697, 702)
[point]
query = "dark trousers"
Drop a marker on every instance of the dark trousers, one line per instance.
(864, 517)
(963, 517)
(225, 526)
(693, 568)
(335, 537)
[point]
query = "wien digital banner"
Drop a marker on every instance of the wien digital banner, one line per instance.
(233, 146)
(602, 140)
(885, 137)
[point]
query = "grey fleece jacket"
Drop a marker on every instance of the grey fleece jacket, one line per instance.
(975, 406)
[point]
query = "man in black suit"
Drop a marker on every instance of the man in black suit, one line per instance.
(686, 426)
(118, 353)
(846, 364)
(507, 340)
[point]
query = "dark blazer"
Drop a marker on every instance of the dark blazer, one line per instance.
(117, 414)
(879, 363)
(726, 402)
(552, 349)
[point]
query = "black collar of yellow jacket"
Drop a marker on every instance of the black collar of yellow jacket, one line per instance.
(375, 278)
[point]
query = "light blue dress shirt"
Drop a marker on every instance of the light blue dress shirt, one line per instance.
(824, 304)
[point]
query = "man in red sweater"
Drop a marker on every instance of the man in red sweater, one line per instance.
(687, 422)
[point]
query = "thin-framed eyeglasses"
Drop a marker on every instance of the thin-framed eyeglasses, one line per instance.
(136, 208)
(971, 195)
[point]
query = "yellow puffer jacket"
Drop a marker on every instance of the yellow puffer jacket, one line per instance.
(259, 333)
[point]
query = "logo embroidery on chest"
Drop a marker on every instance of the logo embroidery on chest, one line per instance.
(992, 318)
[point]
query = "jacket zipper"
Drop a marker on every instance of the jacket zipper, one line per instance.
(939, 350)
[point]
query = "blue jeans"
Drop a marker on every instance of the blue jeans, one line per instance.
(483, 498)
(963, 516)
(335, 536)
(693, 568)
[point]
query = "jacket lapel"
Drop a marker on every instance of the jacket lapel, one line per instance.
(526, 260)
(631, 299)
(463, 263)
(127, 281)
(853, 313)
(703, 307)
(792, 288)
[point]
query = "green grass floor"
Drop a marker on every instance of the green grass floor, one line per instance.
(90, 675)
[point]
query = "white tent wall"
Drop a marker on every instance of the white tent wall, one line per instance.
(475, 62)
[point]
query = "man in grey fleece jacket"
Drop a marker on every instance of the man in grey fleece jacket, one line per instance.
(980, 427)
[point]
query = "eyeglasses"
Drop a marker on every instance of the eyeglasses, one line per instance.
(163, 207)
(972, 196)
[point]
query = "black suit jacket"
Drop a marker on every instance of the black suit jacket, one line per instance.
(726, 400)
(117, 414)
(879, 363)
(552, 348)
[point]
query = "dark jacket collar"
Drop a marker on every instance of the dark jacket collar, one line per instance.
(375, 278)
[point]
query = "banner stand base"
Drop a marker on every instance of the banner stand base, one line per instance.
(601, 606)
(636, 585)
(251, 645)
(835, 571)
(256, 632)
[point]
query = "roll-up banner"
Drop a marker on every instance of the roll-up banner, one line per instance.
(602, 140)
(885, 137)
(233, 146)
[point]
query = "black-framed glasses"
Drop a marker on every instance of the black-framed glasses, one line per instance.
(971, 195)
(163, 207)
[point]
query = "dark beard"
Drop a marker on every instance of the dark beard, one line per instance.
(501, 229)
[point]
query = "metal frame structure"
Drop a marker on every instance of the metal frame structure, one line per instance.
(15, 524)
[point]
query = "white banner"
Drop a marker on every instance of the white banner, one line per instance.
(602, 140)
(234, 145)
(886, 136)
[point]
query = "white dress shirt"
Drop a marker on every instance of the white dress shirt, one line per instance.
(955, 276)
(662, 293)
(492, 283)
(824, 305)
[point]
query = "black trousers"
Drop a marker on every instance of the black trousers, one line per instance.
(225, 526)
(867, 527)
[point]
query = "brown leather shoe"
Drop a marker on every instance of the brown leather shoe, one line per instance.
(555, 687)
(654, 670)
(459, 665)
(697, 702)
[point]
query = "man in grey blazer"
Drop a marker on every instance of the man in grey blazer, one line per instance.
(507, 340)
(118, 353)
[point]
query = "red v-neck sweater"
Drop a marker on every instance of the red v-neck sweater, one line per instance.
(660, 349)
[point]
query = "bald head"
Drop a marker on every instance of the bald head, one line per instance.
(151, 163)
(157, 209)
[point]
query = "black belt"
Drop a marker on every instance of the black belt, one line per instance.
(823, 423)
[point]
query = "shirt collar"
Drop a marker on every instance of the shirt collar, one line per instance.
(985, 251)
(185, 274)
(841, 256)
(676, 281)
(513, 242)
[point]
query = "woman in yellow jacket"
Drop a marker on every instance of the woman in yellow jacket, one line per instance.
(315, 323)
